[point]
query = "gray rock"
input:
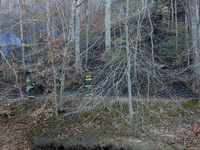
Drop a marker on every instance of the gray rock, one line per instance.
(90, 141)
(106, 54)
(178, 146)
(168, 138)
(198, 146)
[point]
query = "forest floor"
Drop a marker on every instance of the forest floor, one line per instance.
(166, 123)
(174, 124)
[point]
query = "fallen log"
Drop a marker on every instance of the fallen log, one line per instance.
(5, 112)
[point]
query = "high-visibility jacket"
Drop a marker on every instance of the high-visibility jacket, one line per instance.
(87, 80)
(58, 79)
(155, 1)
(30, 82)
(166, 9)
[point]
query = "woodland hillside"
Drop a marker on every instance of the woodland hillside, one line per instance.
(143, 56)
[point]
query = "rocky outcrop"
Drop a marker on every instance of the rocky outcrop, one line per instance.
(92, 142)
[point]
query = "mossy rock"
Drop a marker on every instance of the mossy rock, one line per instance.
(189, 104)
(153, 119)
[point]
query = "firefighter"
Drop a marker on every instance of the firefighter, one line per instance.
(166, 13)
(87, 83)
(58, 82)
(155, 5)
(30, 85)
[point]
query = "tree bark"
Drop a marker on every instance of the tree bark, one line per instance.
(33, 26)
(77, 48)
(65, 50)
(48, 22)
(22, 39)
(87, 29)
(49, 48)
(72, 28)
(59, 9)
(193, 22)
(176, 24)
(128, 64)
(186, 37)
(1, 38)
(172, 13)
(107, 26)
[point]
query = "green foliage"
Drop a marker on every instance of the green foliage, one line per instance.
(46, 125)
(13, 106)
(16, 107)
(118, 60)
(42, 118)
(167, 48)
(106, 47)
(123, 52)
(34, 131)
(189, 105)
(153, 119)
(49, 103)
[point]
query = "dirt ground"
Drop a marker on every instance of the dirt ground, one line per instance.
(33, 122)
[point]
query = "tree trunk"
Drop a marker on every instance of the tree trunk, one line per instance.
(82, 14)
(22, 39)
(176, 24)
(107, 26)
(34, 39)
(59, 9)
(1, 38)
(153, 63)
(77, 48)
(129, 64)
(48, 22)
(193, 22)
(172, 13)
(72, 28)
(49, 48)
(87, 29)
(186, 37)
(65, 50)
(97, 5)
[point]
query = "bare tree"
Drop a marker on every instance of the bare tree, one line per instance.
(107, 26)
(1, 38)
(128, 64)
(193, 22)
(72, 28)
(77, 48)
(172, 8)
(64, 66)
(22, 35)
(48, 22)
(186, 36)
(49, 49)
(87, 29)
(176, 24)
